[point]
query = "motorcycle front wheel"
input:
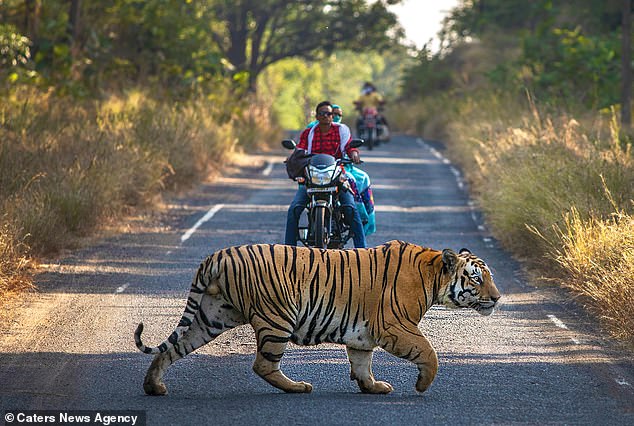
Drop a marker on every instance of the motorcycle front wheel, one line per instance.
(319, 227)
(371, 140)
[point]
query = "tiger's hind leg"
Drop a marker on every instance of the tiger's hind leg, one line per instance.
(212, 319)
(361, 371)
(191, 340)
(271, 346)
(408, 342)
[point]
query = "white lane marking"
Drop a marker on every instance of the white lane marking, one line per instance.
(488, 241)
(622, 382)
(437, 154)
(212, 211)
(122, 288)
(269, 168)
(557, 322)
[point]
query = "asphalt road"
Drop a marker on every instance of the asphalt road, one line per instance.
(537, 360)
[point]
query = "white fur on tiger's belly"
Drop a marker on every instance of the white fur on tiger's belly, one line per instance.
(358, 338)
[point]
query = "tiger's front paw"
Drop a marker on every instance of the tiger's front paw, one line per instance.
(377, 387)
(422, 384)
(300, 387)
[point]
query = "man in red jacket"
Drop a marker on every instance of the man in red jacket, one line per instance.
(333, 139)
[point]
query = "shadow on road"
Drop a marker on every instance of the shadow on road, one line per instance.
(228, 388)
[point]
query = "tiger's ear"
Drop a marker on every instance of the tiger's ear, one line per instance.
(450, 259)
(464, 250)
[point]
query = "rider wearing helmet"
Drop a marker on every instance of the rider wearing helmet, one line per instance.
(370, 99)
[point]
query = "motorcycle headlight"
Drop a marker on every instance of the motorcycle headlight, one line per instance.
(322, 176)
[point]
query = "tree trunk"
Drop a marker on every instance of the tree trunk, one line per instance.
(73, 21)
(626, 66)
(32, 12)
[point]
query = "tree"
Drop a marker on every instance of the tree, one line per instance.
(73, 21)
(253, 34)
(32, 12)
(626, 66)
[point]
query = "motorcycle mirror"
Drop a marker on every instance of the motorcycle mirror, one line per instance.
(288, 143)
(356, 143)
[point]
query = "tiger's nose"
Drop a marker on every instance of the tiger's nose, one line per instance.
(495, 298)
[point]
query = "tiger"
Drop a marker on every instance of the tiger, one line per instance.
(361, 298)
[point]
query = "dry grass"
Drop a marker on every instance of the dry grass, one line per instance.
(597, 256)
(66, 167)
(532, 173)
(15, 265)
(550, 186)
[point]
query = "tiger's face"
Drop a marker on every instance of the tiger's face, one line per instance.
(471, 284)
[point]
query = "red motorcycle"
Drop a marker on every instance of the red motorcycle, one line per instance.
(371, 125)
(368, 129)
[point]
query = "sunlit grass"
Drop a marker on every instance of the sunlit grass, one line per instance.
(556, 190)
(68, 166)
(597, 258)
(15, 265)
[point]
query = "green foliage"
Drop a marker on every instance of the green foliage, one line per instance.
(14, 48)
(567, 54)
(428, 76)
(183, 47)
(568, 65)
(479, 17)
(15, 53)
(254, 34)
(298, 85)
(165, 43)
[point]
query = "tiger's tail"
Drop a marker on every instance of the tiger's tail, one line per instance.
(204, 282)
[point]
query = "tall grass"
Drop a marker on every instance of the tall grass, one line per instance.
(597, 258)
(15, 265)
(67, 166)
(557, 191)
(530, 172)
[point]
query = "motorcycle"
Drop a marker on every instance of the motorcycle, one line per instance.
(324, 225)
(368, 127)
(371, 128)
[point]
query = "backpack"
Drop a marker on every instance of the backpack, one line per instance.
(296, 162)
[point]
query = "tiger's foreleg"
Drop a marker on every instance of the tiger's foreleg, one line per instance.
(361, 371)
(272, 343)
(408, 342)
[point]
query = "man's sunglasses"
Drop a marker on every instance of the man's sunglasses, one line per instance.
(324, 113)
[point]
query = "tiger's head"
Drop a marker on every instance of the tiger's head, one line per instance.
(471, 284)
